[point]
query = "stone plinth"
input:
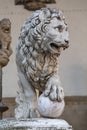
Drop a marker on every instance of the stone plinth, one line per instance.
(34, 124)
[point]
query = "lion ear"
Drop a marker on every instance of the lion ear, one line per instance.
(44, 14)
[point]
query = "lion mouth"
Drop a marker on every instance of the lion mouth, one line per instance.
(56, 48)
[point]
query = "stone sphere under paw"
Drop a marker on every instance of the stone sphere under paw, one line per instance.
(48, 108)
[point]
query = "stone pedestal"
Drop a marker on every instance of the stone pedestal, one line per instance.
(34, 124)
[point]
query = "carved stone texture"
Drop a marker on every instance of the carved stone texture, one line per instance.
(5, 52)
(27, 1)
(5, 40)
(42, 38)
(34, 5)
(47, 1)
(22, 1)
(48, 108)
(34, 124)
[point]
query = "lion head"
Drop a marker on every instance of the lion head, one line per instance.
(46, 31)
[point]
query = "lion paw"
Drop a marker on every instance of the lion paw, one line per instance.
(54, 91)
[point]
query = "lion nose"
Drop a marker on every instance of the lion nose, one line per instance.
(67, 43)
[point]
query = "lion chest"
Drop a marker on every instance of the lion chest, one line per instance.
(41, 69)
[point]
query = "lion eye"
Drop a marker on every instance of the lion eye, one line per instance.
(6, 29)
(60, 28)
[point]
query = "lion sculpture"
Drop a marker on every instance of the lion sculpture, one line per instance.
(5, 41)
(42, 38)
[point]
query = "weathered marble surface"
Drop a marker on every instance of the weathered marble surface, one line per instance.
(5, 52)
(48, 108)
(42, 38)
(5, 41)
(35, 124)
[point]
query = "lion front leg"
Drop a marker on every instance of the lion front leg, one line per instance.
(53, 89)
(26, 99)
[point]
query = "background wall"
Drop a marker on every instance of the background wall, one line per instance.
(73, 61)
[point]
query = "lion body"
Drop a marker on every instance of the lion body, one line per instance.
(38, 48)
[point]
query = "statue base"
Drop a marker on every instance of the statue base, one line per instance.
(34, 124)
